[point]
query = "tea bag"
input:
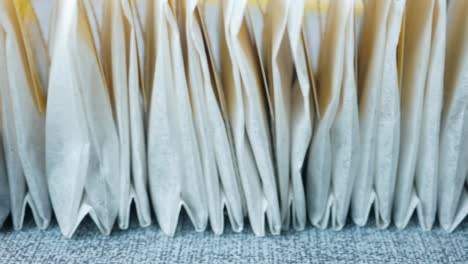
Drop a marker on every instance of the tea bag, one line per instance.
(388, 120)
(82, 151)
(427, 166)
(290, 101)
(370, 74)
(452, 198)
(221, 176)
(24, 78)
(247, 112)
(414, 98)
(333, 156)
(175, 171)
(122, 69)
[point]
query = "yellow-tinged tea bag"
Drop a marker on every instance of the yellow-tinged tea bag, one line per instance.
(37, 57)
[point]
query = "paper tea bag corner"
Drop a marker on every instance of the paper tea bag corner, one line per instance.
(81, 139)
(175, 170)
(22, 94)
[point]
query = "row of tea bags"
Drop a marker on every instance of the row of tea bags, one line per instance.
(271, 113)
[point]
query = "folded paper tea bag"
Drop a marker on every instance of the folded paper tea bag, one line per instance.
(221, 177)
(82, 151)
(333, 156)
(417, 99)
(427, 166)
(290, 101)
(280, 71)
(24, 75)
(175, 172)
(388, 118)
(247, 110)
(122, 70)
(452, 183)
(378, 111)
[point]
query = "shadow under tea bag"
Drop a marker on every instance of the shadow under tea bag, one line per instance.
(175, 171)
(247, 111)
(414, 97)
(4, 188)
(82, 151)
(333, 156)
(453, 180)
(23, 88)
(122, 69)
(222, 181)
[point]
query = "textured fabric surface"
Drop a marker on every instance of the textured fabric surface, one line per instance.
(148, 245)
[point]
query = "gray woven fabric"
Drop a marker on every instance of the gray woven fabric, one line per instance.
(148, 245)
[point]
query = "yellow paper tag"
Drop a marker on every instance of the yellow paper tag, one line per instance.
(27, 20)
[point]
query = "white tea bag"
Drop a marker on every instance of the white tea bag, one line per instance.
(82, 152)
(334, 153)
(370, 72)
(302, 114)
(221, 176)
(344, 135)
(417, 51)
(247, 111)
(175, 171)
(387, 139)
(280, 69)
(290, 101)
(452, 190)
(24, 78)
(427, 167)
(121, 67)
